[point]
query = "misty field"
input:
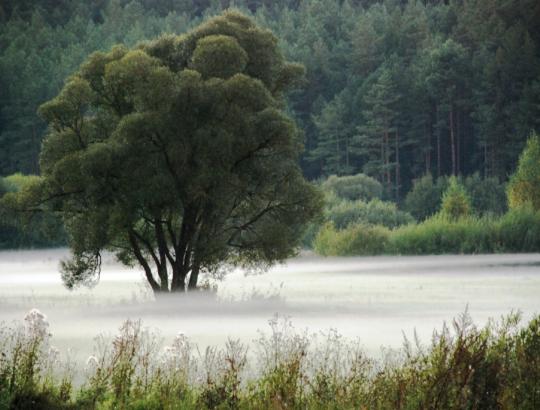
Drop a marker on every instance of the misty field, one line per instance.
(374, 299)
(379, 332)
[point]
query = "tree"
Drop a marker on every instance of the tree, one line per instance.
(177, 155)
(378, 140)
(334, 137)
(524, 185)
(455, 201)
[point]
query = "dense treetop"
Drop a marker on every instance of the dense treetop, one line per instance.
(393, 89)
(176, 155)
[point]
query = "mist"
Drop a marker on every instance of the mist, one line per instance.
(375, 300)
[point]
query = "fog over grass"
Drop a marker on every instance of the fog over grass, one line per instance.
(373, 299)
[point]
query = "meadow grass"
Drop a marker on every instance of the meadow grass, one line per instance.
(464, 366)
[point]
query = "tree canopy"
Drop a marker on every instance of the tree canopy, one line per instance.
(459, 82)
(177, 155)
(524, 185)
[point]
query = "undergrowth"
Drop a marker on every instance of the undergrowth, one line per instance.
(463, 367)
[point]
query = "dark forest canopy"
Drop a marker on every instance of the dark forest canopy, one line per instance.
(394, 89)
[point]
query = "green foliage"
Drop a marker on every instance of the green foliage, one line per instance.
(25, 229)
(374, 212)
(413, 79)
(463, 366)
(519, 230)
(516, 231)
(442, 235)
(524, 186)
(425, 197)
(487, 195)
(455, 201)
(219, 184)
(358, 239)
(353, 187)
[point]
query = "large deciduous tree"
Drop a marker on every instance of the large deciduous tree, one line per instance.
(177, 155)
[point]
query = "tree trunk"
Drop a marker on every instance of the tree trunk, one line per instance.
(397, 166)
(458, 142)
(194, 277)
(438, 130)
(452, 139)
(427, 156)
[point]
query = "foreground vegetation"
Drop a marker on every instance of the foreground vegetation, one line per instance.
(495, 367)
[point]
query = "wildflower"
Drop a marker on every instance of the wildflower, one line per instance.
(92, 363)
(36, 324)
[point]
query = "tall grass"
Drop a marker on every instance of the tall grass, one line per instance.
(463, 367)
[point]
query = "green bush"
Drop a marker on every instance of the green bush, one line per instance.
(487, 195)
(425, 197)
(358, 239)
(374, 212)
(455, 202)
(439, 235)
(524, 185)
(353, 187)
(518, 231)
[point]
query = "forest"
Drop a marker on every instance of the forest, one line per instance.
(399, 99)
(395, 90)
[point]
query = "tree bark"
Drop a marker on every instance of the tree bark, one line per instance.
(438, 130)
(452, 139)
(397, 166)
(194, 277)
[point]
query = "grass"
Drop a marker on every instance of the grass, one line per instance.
(464, 367)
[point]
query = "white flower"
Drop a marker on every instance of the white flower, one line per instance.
(53, 354)
(92, 363)
(36, 324)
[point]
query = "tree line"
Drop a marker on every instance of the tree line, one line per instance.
(394, 89)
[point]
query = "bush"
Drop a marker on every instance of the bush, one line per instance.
(439, 235)
(374, 212)
(358, 239)
(353, 187)
(425, 197)
(524, 185)
(516, 231)
(519, 230)
(455, 201)
(487, 195)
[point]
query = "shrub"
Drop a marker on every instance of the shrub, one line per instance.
(424, 199)
(524, 185)
(439, 235)
(358, 239)
(455, 202)
(519, 230)
(374, 212)
(487, 195)
(353, 187)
